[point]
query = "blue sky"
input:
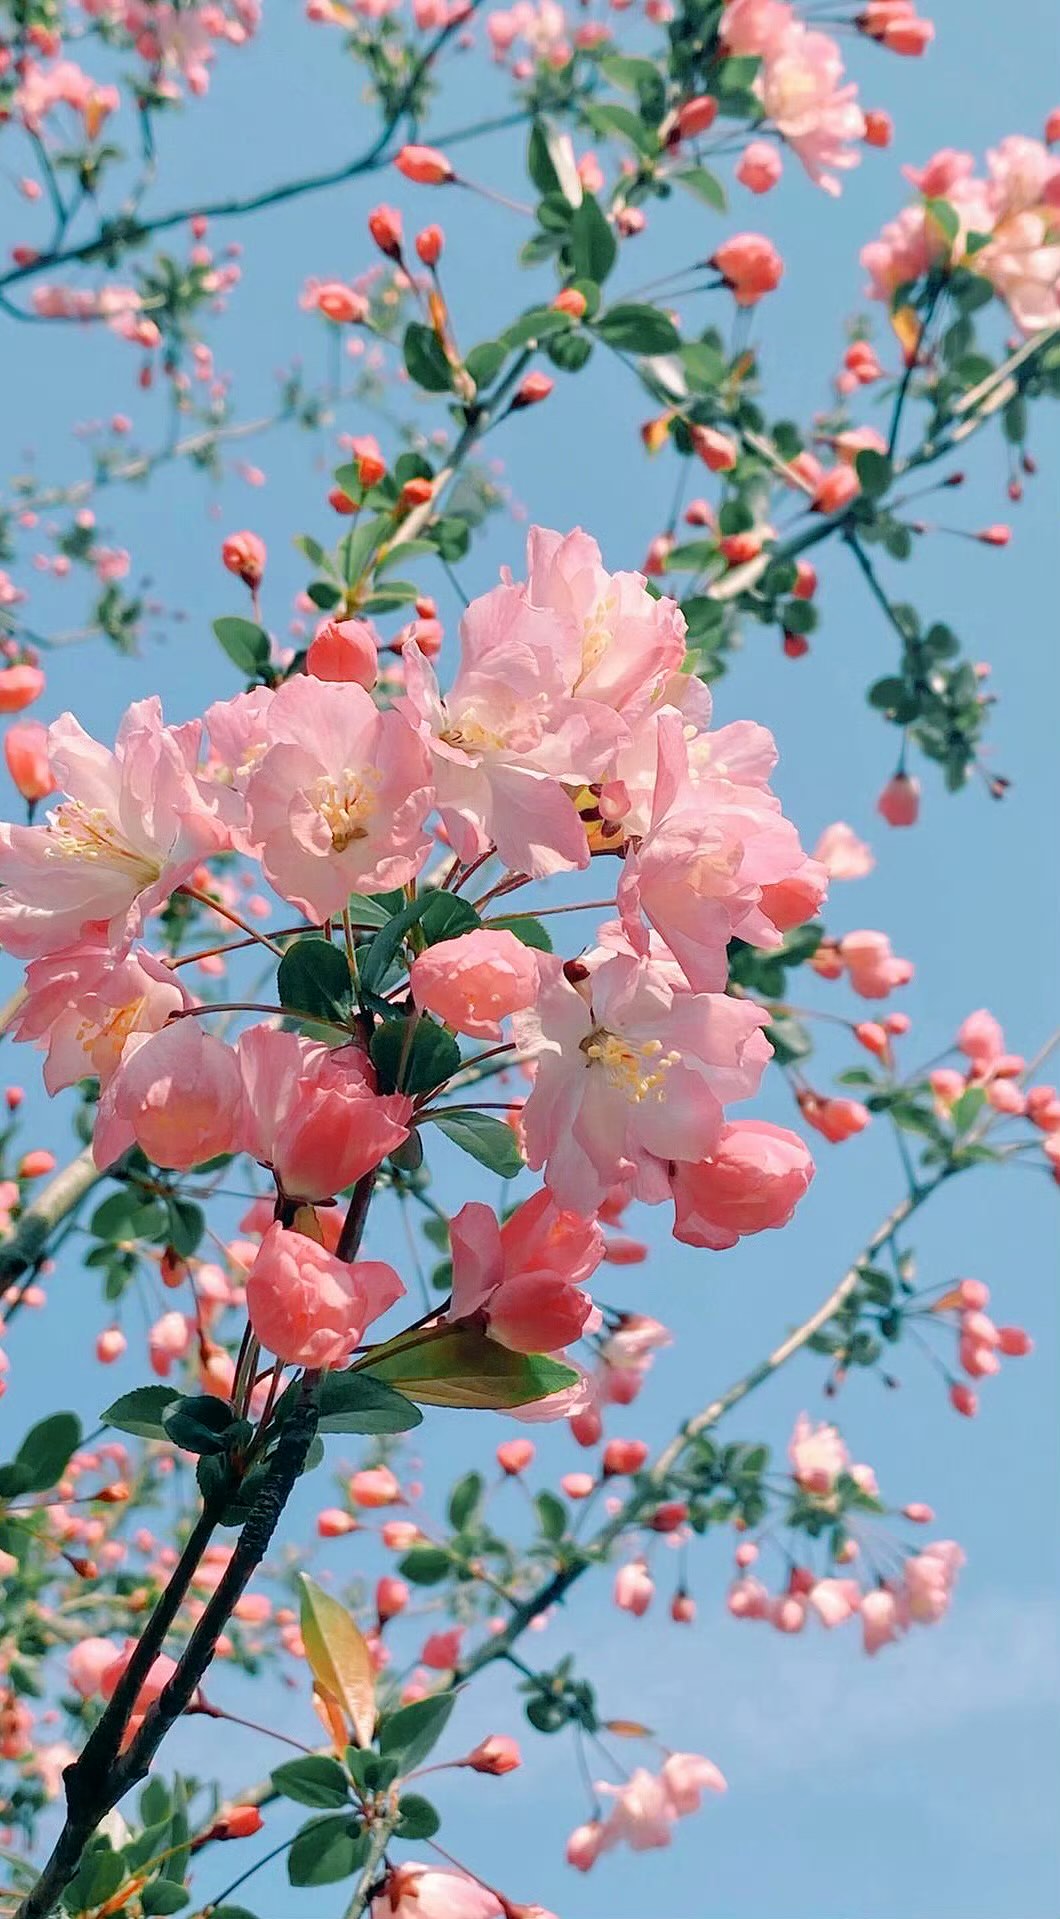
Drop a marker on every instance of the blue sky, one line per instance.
(925, 1779)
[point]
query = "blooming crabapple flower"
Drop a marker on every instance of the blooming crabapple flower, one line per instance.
(344, 650)
(19, 687)
(817, 1455)
(627, 1075)
(686, 1776)
(87, 1662)
(621, 645)
(135, 825)
(434, 1892)
(642, 1816)
(244, 554)
(759, 167)
(835, 1600)
(508, 735)
(719, 861)
(753, 1180)
(312, 1113)
(341, 304)
(82, 1004)
(337, 802)
(750, 266)
(842, 854)
(874, 970)
(634, 1588)
(476, 980)
(26, 753)
(309, 1308)
(177, 1094)
(800, 87)
(524, 1276)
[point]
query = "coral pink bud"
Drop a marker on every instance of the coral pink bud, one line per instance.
(586, 1427)
(897, 1024)
(476, 980)
(696, 116)
(1014, 1342)
(1052, 128)
(634, 1588)
(899, 803)
(577, 1485)
(873, 1037)
(715, 449)
(515, 1455)
(974, 1295)
(391, 1597)
(584, 1845)
(963, 1400)
(683, 1609)
(399, 1534)
(836, 1119)
(918, 1514)
(669, 1516)
(36, 1164)
(1005, 1097)
(759, 167)
(624, 1456)
(344, 650)
(531, 391)
(19, 687)
(26, 753)
(340, 502)
(994, 535)
(750, 266)
(333, 1523)
(384, 225)
(753, 1181)
(496, 1754)
(374, 1486)
(879, 128)
(569, 300)
(441, 1650)
(307, 1307)
(370, 470)
(110, 1345)
(245, 554)
(805, 581)
(425, 165)
(429, 244)
(239, 1822)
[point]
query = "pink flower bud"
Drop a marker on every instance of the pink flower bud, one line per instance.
(634, 1588)
(577, 1485)
(696, 116)
(899, 803)
(19, 687)
(531, 391)
(384, 225)
(496, 1754)
(245, 554)
(429, 244)
(391, 1597)
(333, 1523)
(1014, 1342)
(26, 753)
(307, 1307)
(683, 1609)
(963, 1400)
(375, 1486)
(110, 1345)
(750, 266)
(759, 167)
(624, 1456)
(425, 165)
(515, 1455)
(344, 650)
(476, 980)
(716, 450)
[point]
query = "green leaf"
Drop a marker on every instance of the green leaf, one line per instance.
(353, 1403)
(313, 1781)
(246, 644)
(488, 1140)
(594, 248)
(789, 1040)
(445, 916)
(425, 359)
(425, 1565)
(537, 323)
(423, 1061)
(418, 1818)
(552, 1514)
(703, 364)
(163, 1896)
(408, 1735)
(638, 329)
(380, 955)
(199, 1424)
(946, 218)
(550, 163)
(43, 1456)
(705, 185)
(527, 929)
(967, 1108)
(140, 1412)
(324, 595)
(569, 351)
(325, 1851)
(339, 1658)
(607, 118)
(465, 1500)
(464, 1368)
(313, 977)
(875, 472)
(485, 361)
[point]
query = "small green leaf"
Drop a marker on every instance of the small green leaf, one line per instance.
(425, 358)
(465, 1500)
(325, 1851)
(313, 1781)
(409, 1734)
(353, 1403)
(163, 1896)
(417, 1817)
(527, 929)
(488, 1140)
(875, 472)
(140, 1412)
(464, 1368)
(485, 361)
(594, 248)
(313, 978)
(607, 118)
(705, 185)
(339, 1658)
(422, 1056)
(43, 1456)
(246, 644)
(425, 1566)
(638, 329)
(199, 1424)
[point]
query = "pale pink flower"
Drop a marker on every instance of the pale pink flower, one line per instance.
(686, 1776)
(135, 825)
(801, 91)
(433, 1892)
(309, 1308)
(880, 1619)
(753, 1180)
(929, 1579)
(642, 1815)
(626, 642)
(817, 1455)
(835, 1600)
(312, 1113)
(473, 982)
(87, 1661)
(981, 1038)
(874, 970)
(337, 802)
(176, 1093)
(842, 854)
(626, 1074)
(84, 1003)
(525, 1276)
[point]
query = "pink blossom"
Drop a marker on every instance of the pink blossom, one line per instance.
(344, 650)
(759, 167)
(434, 1892)
(874, 970)
(83, 1004)
(177, 1093)
(753, 1180)
(133, 828)
(476, 980)
(801, 91)
(842, 854)
(621, 643)
(337, 802)
(686, 1776)
(312, 1113)
(626, 1073)
(524, 1276)
(87, 1662)
(441, 1650)
(750, 266)
(309, 1308)
(817, 1455)
(981, 1038)
(642, 1815)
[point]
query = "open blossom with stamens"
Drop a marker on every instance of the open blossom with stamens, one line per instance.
(817, 1455)
(135, 824)
(337, 801)
(626, 643)
(83, 1003)
(628, 1075)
